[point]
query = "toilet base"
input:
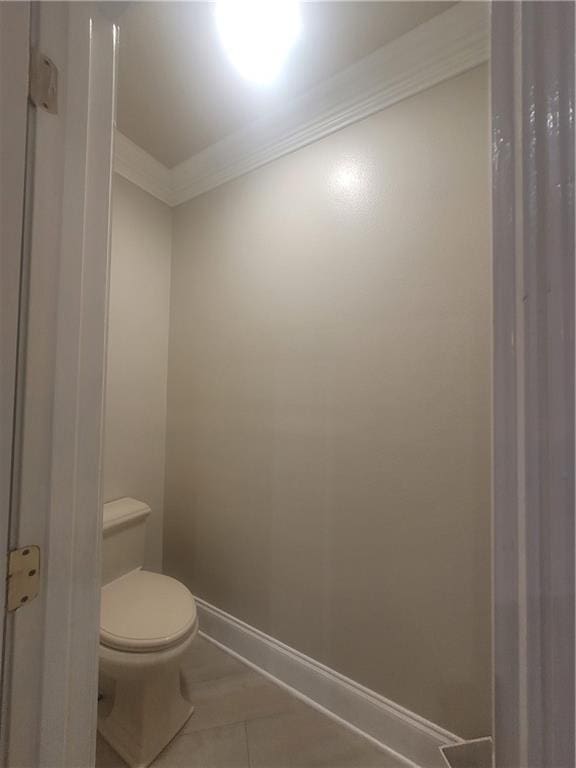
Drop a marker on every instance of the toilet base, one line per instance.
(145, 716)
(148, 707)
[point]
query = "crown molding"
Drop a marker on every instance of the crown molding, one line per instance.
(447, 45)
(138, 166)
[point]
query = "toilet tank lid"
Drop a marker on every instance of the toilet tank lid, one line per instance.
(123, 511)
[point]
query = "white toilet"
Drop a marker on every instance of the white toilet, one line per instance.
(147, 624)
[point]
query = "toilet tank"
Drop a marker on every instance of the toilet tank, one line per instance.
(124, 532)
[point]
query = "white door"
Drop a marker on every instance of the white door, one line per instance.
(58, 242)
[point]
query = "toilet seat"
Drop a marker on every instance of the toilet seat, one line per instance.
(144, 611)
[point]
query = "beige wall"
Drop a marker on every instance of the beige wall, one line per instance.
(328, 472)
(135, 430)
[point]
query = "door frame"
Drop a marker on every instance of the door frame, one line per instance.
(533, 75)
(53, 642)
(14, 58)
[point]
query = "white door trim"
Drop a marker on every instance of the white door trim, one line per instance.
(533, 226)
(54, 639)
(14, 57)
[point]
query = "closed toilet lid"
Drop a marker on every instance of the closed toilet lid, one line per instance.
(144, 611)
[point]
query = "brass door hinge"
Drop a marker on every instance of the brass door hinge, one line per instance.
(43, 82)
(23, 576)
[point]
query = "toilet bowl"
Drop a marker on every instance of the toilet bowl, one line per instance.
(147, 624)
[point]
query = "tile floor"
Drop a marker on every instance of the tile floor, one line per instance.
(242, 720)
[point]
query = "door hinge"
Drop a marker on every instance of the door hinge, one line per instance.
(23, 576)
(43, 82)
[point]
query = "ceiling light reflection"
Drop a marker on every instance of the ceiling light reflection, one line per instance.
(258, 35)
(349, 179)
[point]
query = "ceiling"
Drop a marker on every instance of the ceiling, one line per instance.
(178, 93)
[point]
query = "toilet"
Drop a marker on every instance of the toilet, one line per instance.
(147, 624)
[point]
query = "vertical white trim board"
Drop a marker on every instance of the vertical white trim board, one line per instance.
(405, 734)
(53, 641)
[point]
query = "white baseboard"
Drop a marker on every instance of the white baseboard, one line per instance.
(405, 734)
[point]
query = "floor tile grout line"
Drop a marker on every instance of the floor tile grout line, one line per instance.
(247, 744)
(212, 681)
(230, 723)
(220, 726)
